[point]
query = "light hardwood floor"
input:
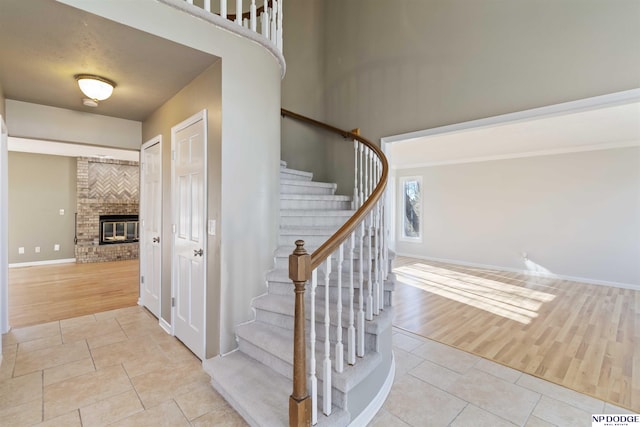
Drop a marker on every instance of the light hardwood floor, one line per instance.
(42, 294)
(581, 336)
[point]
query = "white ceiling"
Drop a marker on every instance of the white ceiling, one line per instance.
(596, 128)
(45, 43)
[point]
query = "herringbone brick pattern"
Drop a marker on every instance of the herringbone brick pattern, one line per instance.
(113, 181)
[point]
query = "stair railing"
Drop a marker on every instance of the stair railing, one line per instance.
(267, 17)
(365, 232)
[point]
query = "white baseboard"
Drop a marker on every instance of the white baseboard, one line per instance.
(376, 403)
(527, 272)
(35, 263)
(166, 326)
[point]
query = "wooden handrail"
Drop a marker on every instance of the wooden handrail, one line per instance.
(331, 245)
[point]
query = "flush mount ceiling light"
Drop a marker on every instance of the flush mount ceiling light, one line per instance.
(96, 88)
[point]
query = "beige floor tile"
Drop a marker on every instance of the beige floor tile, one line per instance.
(164, 384)
(77, 321)
(107, 339)
(124, 351)
(71, 419)
(112, 409)
(40, 343)
(31, 361)
(560, 413)
(435, 375)
(406, 342)
(420, 404)
(563, 394)
(136, 315)
(89, 330)
(166, 415)
(30, 333)
(145, 364)
(25, 414)
(224, 416)
(7, 365)
(444, 355)
(200, 401)
(84, 390)
(177, 351)
(68, 370)
(509, 401)
(405, 362)
(9, 341)
(472, 416)
(498, 370)
(16, 391)
(534, 421)
(613, 409)
(385, 419)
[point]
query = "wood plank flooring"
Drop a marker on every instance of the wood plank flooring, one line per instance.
(42, 294)
(584, 337)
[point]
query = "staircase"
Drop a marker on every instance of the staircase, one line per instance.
(256, 379)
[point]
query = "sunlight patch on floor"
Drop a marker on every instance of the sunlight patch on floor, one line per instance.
(509, 301)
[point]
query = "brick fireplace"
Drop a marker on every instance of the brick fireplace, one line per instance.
(105, 187)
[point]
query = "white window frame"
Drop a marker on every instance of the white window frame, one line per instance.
(401, 209)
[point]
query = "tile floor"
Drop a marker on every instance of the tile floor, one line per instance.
(119, 368)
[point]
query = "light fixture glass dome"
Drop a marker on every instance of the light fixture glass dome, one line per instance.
(95, 87)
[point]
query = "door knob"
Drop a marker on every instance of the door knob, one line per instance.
(156, 240)
(199, 252)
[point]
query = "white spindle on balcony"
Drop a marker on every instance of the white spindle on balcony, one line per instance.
(252, 16)
(207, 5)
(223, 9)
(339, 345)
(351, 331)
(360, 327)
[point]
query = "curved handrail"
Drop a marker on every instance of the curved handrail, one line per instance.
(332, 244)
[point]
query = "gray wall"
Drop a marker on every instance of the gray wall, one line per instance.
(203, 92)
(422, 64)
(303, 86)
(39, 186)
(36, 121)
(575, 214)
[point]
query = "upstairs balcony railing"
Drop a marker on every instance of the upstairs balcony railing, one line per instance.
(265, 19)
(364, 233)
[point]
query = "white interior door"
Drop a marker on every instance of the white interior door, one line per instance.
(189, 190)
(151, 224)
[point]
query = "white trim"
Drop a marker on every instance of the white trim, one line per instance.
(166, 326)
(48, 262)
(400, 210)
(68, 149)
(142, 255)
(547, 111)
(376, 403)
(201, 115)
(549, 152)
(4, 227)
(527, 272)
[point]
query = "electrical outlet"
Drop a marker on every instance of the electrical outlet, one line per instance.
(20, 250)
(37, 249)
(56, 247)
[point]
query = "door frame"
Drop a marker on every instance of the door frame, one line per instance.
(201, 115)
(153, 141)
(4, 227)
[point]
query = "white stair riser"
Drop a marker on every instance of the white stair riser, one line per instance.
(306, 189)
(313, 221)
(315, 204)
(288, 174)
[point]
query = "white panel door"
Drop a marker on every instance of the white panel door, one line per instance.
(151, 225)
(189, 190)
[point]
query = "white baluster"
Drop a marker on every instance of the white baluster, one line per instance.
(223, 9)
(190, 1)
(369, 304)
(252, 15)
(360, 326)
(354, 203)
(339, 345)
(361, 183)
(239, 12)
(376, 262)
(366, 175)
(274, 19)
(207, 5)
(279, 38)
(326, 377)
(351, 331)
(313, 380)
(245, 23)
(264, 24)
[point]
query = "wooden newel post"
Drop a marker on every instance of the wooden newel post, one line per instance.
(299, 401)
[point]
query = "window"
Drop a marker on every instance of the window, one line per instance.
(411, 191)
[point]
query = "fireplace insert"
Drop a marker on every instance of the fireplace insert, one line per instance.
(118, 229)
